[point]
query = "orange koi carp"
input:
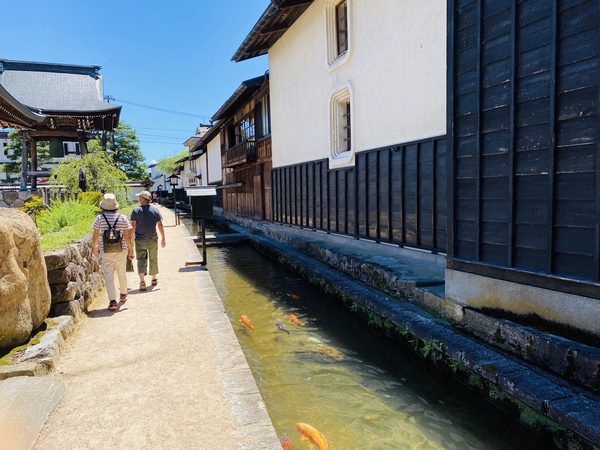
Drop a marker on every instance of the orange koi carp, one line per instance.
(246, 322)
(286, 444)
(295, 320)
(315, 436)
(295, 296)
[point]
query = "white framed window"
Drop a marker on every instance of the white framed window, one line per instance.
(341, 143)
(337, 17)
(71, 148)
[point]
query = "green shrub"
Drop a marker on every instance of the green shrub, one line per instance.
(90, 198)
(65, 214)
(68, 221)
(35, 207)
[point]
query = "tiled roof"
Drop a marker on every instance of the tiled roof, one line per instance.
(55, 87)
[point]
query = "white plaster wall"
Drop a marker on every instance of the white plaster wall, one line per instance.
(3, 151)
(481, 292)
(202, 168)
(215, 172)
(4, 157)
(397, 67)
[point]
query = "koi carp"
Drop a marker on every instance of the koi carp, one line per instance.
(315, 436)
(295, 296)
(246, 322)
(286, 444)
(280, 327)
(295, 320)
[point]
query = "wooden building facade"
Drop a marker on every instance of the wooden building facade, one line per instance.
(358, 134)
(395, 194)
(245, 136)
(523, 135)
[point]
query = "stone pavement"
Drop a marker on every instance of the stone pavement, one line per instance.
(164, 371)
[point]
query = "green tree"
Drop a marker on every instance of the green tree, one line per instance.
(123, 146)
(100, 170)
(15, 147)
(169, 164)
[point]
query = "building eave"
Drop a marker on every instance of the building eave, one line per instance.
(275, 21)
(242, 93)
(13, 114)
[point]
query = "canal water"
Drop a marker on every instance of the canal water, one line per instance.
(358, 388)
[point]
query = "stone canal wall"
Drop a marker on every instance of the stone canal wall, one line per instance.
(75, 278)
(418, 316)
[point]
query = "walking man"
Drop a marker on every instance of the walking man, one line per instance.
(145, 219)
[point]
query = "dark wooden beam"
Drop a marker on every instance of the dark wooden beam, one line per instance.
(257, 49)
(275, 28)
(39, 173)
(294, 3)
(530, 278)
(66, 134)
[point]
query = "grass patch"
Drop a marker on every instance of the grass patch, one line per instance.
(68, 221)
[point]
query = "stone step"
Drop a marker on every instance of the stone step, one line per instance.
(223, 239)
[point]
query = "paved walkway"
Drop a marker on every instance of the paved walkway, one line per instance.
(164, 371)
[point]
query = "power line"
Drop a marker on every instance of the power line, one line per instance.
(165, 136)
(170, 111)
(161, 129)
(159, 142)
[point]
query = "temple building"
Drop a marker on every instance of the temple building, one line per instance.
(57, 103)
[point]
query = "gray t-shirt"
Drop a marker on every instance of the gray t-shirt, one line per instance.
(146, 217)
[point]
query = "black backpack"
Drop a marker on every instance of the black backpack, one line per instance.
(112, 238)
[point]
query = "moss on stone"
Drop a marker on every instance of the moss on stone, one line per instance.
(51, 322)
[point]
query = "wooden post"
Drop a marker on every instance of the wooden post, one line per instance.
(203, 225)
(34, 165)
(82, 144)
(25, 139)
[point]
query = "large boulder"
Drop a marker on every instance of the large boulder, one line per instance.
(24, 291)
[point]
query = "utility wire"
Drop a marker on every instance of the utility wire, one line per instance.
(158, 109)
(161, 129)
(165, 136)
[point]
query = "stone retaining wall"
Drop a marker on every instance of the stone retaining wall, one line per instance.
(75, 278)
(13, 199)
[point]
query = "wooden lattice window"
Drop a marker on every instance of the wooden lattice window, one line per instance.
(341, 20)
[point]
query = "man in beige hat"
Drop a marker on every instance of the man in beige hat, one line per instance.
(145, 219)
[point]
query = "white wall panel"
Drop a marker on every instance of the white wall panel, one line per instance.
(397, 67)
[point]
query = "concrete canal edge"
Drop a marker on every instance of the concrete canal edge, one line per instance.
(546, 404)
(254, 428)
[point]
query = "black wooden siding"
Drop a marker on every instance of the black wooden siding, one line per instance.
(395, 194)
(523, 140)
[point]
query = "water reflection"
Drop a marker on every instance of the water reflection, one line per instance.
(356, 387)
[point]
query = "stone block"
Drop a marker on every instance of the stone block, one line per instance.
(58, 259)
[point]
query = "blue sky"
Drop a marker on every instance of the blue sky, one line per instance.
(173, 56)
